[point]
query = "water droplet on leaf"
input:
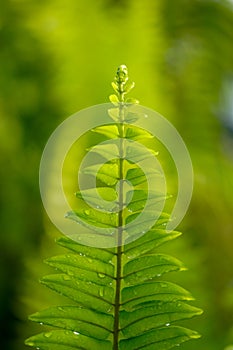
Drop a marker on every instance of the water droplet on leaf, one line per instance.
(163, 285)
(66, 278)
(60, 308)
(101, 292)
(48, 334)
(30, 343)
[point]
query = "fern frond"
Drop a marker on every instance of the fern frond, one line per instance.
(118, 298)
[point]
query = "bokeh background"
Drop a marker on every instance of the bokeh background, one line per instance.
(57, 57)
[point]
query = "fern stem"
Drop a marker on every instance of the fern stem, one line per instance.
(120, 221)
(117, 296)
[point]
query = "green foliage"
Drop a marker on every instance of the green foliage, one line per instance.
(120, 298)
(55, 59)
(148, 305)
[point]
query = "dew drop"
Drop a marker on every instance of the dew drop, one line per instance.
(76, 333)
(60, 308)
(101, 275)
(101, 292)
(159, 274)
(30, 343)
(167, 324)
(163, 285)
(110, 309)
(129, 257)
(66, 278)
(41, 323)
(47, 335)
(87, 212)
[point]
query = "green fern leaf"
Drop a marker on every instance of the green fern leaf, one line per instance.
(108, 173)
(105, 255)
(140, 197)
(85, 269)
(87, 294)
(111, 131)
(151, 240)
(162, 338)
(150, 266)
(151, 317)
(91, 216)
(117, 298)
(93, 196)
(66, 340)
(136, 176)
(76, 318)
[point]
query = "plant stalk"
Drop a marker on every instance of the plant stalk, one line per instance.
(120, 223)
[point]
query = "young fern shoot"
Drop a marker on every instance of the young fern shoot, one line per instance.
(119, 301)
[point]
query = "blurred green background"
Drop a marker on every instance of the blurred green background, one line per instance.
(57, 57)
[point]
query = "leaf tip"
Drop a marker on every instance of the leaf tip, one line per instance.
(183, 268)
(199, 311)
(195, 335)
(114, 99)
(34, 317)
(42, 280)
(59, 240)
(47, 261)
(29, 342)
